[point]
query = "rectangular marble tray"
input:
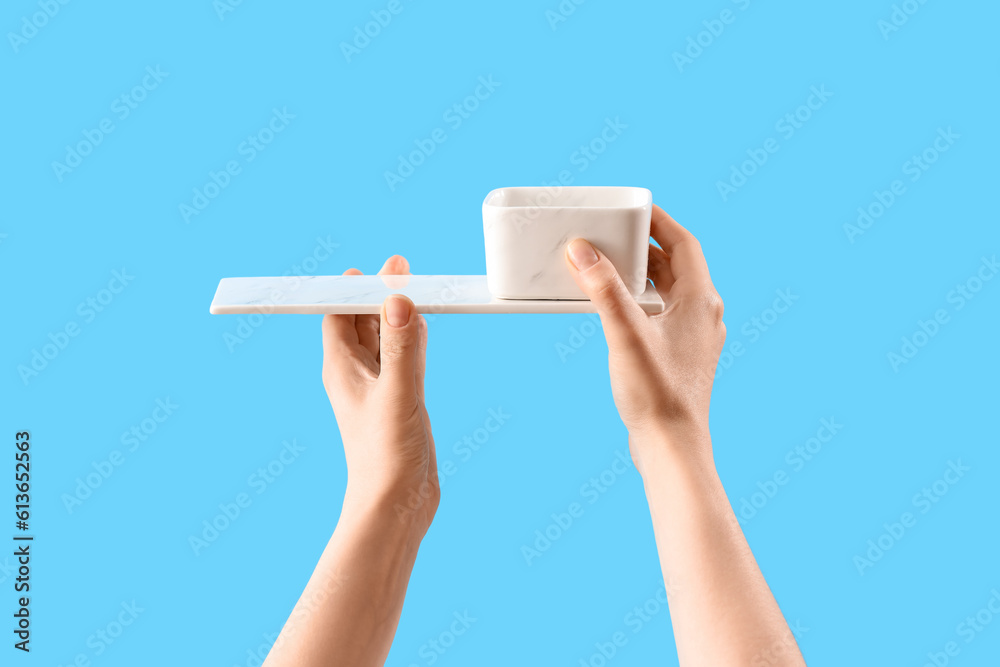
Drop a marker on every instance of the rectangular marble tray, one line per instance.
(311, 295)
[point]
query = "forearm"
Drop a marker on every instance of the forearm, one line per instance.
(349, 610)
(722, 610)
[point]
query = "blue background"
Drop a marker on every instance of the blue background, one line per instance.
(323, 177)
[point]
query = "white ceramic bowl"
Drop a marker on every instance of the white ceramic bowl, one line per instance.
(527, 230)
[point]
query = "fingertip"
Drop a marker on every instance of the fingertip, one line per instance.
(581, 254)
(598, 279)
(352, 272)
(401, 297)
(399, 346)
(397, 264)
(397, 310)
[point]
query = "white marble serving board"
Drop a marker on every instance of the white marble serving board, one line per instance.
(361, 295)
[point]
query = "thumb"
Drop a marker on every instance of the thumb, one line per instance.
(399, 346)
(597, 277)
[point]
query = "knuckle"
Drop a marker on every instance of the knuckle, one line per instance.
(692, 242)
(396, 346)
(610, 294)
(712, 304)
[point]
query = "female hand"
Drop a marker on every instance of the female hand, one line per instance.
(373, 371)
(662, 366)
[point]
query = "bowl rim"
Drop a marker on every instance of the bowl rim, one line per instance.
(488, 202)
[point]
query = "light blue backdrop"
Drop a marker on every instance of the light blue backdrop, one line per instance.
(286, 135)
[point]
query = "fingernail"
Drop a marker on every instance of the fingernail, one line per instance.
(397, 311)
(582, 254)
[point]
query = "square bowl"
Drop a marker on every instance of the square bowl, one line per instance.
(527, 230)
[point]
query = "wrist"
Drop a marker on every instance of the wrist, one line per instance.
(406, 508)
(672, 446)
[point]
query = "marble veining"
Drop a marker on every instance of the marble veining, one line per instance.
(526, 231)
(365, 294)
